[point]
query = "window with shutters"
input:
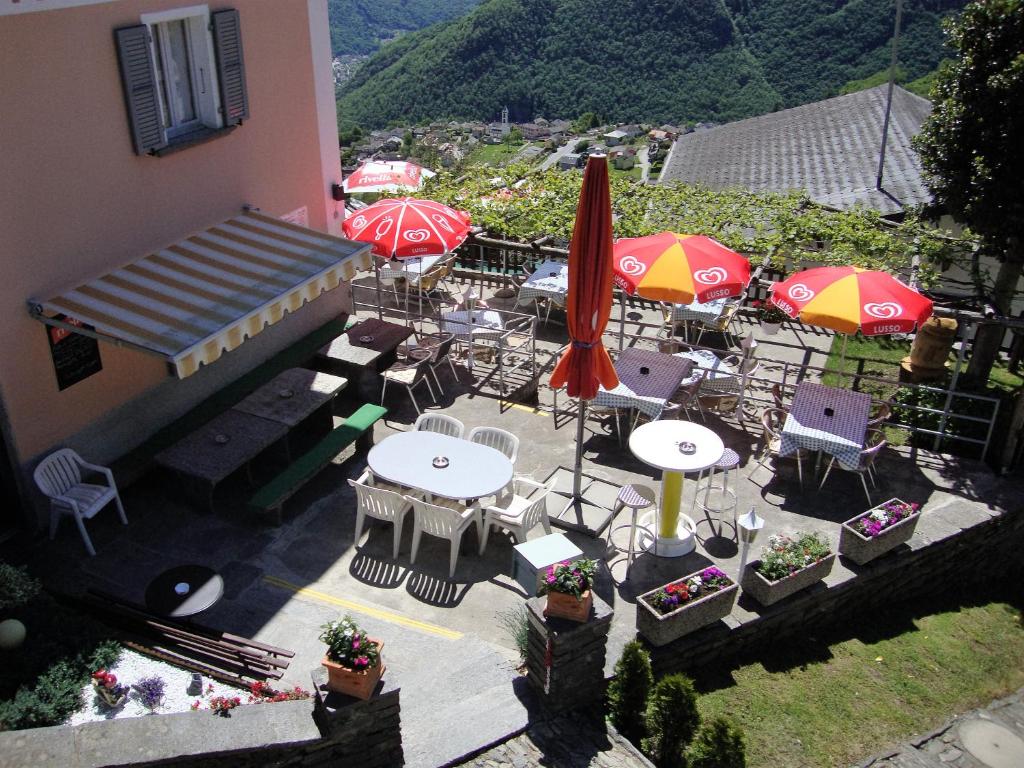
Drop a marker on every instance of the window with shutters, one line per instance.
(183, 76)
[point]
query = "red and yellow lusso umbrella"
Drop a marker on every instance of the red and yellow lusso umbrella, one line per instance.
(678, 269)
(586, 363)
(851, 299)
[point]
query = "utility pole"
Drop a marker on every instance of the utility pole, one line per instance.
(892, 85)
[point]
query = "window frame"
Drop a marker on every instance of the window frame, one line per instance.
(203, 76)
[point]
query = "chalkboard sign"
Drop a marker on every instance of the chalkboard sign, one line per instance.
(75, 355)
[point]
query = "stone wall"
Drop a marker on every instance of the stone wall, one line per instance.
(324, 731)
(982, 553)
(565, 659)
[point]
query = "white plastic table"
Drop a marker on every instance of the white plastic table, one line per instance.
(658, 443)
(473, 470)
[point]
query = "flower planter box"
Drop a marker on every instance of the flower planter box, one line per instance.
(770, 592)
(863, 549)
(569, 607)
(662, 628)
(357, 683)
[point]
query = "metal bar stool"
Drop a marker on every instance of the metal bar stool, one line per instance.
(728, 464)
(636, 497)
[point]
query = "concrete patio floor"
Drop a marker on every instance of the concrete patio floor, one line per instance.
(446, 642)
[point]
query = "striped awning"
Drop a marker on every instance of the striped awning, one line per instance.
(198, 298)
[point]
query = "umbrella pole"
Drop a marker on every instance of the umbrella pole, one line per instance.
(380, 307)
(842, 358)
(622, 320)
(577, 469)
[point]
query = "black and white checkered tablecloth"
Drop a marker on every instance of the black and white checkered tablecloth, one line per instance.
(707, 312)
(549, 281)
(647, 392)
(809, 425)
(721, 377)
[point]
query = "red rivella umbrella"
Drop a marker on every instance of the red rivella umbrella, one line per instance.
(406, 227)
(376, 176)
(586, 363)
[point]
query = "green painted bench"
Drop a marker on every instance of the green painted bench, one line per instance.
(358, 429)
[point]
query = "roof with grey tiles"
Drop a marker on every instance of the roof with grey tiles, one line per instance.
(829, 149)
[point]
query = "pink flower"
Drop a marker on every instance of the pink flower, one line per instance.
(355, 644)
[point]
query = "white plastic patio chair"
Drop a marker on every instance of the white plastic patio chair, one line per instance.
(440, 423)
(499, 439)
(381, 501)
(445, 520)
(518, 512)
(59, 476)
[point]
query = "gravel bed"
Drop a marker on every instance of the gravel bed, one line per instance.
(132, 667)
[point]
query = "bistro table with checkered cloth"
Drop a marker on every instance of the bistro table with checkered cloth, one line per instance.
(646, 392)
(721, 377)
(708, 312)
(549, 281)
(486, 324)
(810, 426)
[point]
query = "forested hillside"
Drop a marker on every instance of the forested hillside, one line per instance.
(652, 61)
(656, 59)
(359, 26)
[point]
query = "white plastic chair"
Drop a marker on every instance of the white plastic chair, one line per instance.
(520, 511)
(444, 522)
(440, 423)
(381, 503)
(498, 439)
(59, 476)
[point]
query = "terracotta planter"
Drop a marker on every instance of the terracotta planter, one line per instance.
(360, 684)
(770, 592)
(770, 329)
(662, 628)
(863, 549)
(565, 606)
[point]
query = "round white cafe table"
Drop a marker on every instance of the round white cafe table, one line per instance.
(472, 470)
(658, 443)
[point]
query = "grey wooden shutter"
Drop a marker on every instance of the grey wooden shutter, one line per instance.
(227, 39)
(140, 94)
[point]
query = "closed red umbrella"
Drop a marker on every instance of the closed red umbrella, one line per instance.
(586, 363)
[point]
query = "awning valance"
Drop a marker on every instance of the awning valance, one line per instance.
(198, 298)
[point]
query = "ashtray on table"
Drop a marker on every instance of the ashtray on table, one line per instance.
(221, 439)
(440, 462)
(687, 448)
(366, 339)
(285, 393)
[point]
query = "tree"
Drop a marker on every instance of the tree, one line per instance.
(629, 689)
(972, 152)
(719, 744)
(672, 719)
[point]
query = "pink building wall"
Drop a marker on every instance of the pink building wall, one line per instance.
(76, 202)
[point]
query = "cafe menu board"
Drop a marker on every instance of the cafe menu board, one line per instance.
(75, 355)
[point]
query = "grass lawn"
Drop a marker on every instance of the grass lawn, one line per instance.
(633, 173)
(493, 154)
(833, 702)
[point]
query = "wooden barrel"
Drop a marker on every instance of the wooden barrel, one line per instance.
(932, 344)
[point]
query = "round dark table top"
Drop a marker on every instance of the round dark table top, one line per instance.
(184, 590)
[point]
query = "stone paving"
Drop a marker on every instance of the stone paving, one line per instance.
(562, 743)
(991, 737)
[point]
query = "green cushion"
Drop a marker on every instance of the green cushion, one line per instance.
(367, 416)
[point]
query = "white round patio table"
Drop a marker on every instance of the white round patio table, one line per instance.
(661, 444)
(472, 470)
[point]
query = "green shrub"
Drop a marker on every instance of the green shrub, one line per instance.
(58, 691)
(17, 587)
(629, 690)
(671, 719)
(719, 744)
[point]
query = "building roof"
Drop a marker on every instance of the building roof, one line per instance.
(829, 149)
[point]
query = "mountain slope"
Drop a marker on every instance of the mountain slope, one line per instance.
(659, 59)
(656, 61)
(359, 26)
(809, 48)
